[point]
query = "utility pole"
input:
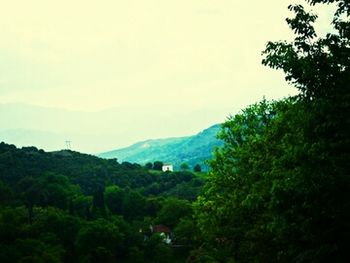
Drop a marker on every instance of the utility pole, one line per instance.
(68, 145)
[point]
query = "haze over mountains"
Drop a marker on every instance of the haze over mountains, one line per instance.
(96, 132)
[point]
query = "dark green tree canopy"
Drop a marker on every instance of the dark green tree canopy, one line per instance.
(318, 67)
(279, 186)
(184, 167)
(197, 168)
(158, 165)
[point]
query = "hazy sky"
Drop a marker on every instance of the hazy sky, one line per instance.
(93, 55)
(183, 64)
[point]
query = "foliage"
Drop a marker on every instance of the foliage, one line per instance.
(149, 165)
(98, 241)
(158, 165)
(173, 210)
(318, 67)
(278, 190)
(279, 186)
(184, 167)
(71, 207)
(197, 168)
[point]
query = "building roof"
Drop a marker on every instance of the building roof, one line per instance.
(161, 229)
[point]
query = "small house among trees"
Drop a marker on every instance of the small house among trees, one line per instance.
(163, 231)
(167, 168)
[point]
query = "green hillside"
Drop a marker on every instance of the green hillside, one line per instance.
(66, 206)
(191, 149)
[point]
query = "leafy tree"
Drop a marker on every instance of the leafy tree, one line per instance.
(149, 165)
(33, 250)
(54, 224)
(133, 205)
(152, 206)
(153, 189)
(58, 190)
(135, 255)
(200, 255)
(114, 196)
(98, 203)
(80, 206)
(158, 165)
(157, 250)
(32, 193)
(99, 240)
(197, 168)
(320, 69)
(234, 197)
(279, 185)
(5, 193)
(11, 222)
(173, 210)
(184, 167)
(185, 232)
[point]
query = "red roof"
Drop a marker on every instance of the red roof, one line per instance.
(161, 229)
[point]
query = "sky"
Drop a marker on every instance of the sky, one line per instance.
(190, 55)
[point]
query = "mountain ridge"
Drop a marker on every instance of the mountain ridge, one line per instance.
(98, 131)
(195, 149)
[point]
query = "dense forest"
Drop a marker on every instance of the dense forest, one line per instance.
(277, 190)
(70, 207)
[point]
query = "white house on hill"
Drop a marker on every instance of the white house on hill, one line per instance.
(167, 168)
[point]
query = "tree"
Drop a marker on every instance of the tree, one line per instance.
(149, 165)
(114, 199)
(318, 67)
(230, 213)
(157, 250)
(99, 240)
(173, 210)
(197, 168)
(279, 185)
(133, 205)
(158, 165)
(53, 223)
(32, 193)
(5, 193)
(184, 167)
(98, 203)
(80, 206)
(58, 189)
(185, 232)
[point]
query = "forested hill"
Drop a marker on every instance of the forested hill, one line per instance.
(66, 206)
(191, 150)
(89, 172)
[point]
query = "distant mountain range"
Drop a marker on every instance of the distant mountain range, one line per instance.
(191, 149)
(98, 131)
